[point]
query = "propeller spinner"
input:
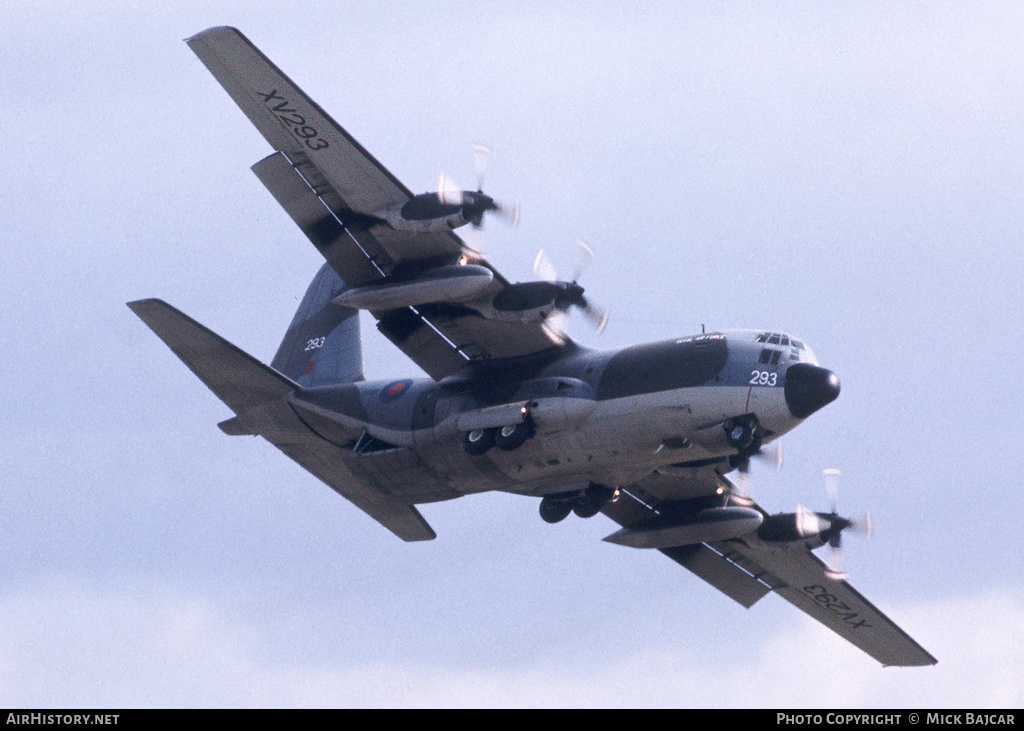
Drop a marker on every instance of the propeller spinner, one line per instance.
(475, 204)
(570, 295)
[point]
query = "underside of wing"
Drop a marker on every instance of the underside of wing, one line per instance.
(293, 123)
(350, 181)
(716, 543)
(351, 208)
(642, 505)
(800, 577)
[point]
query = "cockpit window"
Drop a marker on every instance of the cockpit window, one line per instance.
(784, 341)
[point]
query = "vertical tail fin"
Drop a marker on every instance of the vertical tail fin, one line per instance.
(322, 346)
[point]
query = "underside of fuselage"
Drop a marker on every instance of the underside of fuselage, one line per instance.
(589, 417)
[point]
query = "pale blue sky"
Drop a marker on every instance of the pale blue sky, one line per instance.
(851, 174)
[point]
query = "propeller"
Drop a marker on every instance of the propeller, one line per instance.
(476, 203)
(481, 158)
(772, 454)
(742, 494)
(571, 295)
(830, 526)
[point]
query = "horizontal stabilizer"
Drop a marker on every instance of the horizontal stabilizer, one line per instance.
(234, 427)
(323, 459)
(258, 394)
(238, 379)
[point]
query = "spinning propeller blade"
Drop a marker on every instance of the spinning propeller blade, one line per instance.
(741, 495)
(448, 191)
(838, 524)
(572, 296)
(554, 327)
(543, 268)
(584, 255)
(481, 157)
(476, 203)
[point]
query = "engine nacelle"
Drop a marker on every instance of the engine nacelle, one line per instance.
(802, 528)
(424, 212)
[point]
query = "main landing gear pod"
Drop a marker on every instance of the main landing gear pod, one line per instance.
(508, 437)
(586, 503)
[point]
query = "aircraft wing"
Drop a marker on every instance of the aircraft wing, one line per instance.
(258, 395)
(746, 571)
(296, 125)
(332, 187)
(798, 576)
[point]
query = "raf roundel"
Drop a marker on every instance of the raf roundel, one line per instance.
(393, 391)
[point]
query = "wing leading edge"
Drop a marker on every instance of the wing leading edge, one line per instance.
(746, 573)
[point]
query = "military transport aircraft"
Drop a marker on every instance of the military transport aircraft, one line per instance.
(644, 435)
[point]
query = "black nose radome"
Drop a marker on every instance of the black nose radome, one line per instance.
(808, 388)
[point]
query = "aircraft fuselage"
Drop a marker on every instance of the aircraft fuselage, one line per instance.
(607, 417)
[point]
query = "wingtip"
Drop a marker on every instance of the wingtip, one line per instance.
(215, 30)
(142, 304)
(931, 662)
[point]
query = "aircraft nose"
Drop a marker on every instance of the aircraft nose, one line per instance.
(808, 388)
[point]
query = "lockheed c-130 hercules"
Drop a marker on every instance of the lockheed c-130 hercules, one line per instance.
(644, 435)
